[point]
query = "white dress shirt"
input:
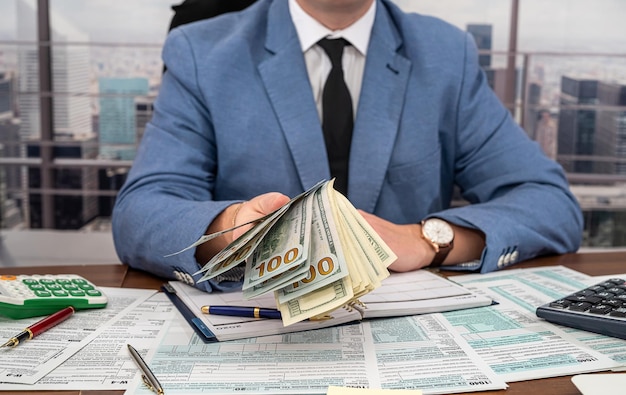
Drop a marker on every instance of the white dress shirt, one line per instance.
(318, 64)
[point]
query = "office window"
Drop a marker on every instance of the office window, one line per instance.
(66, 148)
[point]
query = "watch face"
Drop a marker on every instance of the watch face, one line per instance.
(439, 231)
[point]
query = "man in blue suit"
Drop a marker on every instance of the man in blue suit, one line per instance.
(238, 119)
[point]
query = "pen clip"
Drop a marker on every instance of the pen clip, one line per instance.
(147, 383)
(321, 317)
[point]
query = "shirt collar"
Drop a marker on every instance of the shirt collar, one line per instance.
(310, 31)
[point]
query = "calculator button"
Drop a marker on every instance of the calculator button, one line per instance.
(615, 303)
(36, 286)
(8, 277)
(580, 306)
(42, 294)
(584, 298)
(621, 312)
(79, 281)
(93, 292)
(616, 290)
(86, 287)
(63, 281)
(47, 281)
(53, 287)
(70, 287)
(77, 293)
(29, 281)
(605, 295)
(60, 293)
(600, 309)
(560, 304)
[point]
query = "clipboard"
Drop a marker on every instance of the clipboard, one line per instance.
(203, 332)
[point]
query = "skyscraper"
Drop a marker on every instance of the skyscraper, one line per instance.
(118, 132)
(72, 210)
(6, 96)
(483, 36)
(70, 70)
(577, 124)
(72, 129)
(610, 128)
(496, 77)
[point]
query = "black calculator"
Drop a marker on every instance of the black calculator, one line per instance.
(600, 308)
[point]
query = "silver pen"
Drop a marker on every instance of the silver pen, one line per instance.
(146, 374)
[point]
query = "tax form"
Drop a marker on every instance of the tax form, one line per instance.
(520, 346)
(73, 354)
(416, 352)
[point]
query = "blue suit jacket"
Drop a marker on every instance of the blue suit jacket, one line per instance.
(235, 118)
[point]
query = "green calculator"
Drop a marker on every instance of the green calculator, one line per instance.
(23, 296)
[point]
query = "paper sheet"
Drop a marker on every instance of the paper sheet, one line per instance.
(520, 346)
(103, 363)
(600, 384)
(419, 352)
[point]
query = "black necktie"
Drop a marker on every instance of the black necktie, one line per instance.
(337, 115)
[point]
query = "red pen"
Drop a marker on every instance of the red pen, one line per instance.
(40, 327)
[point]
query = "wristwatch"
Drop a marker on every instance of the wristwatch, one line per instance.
(440, 235)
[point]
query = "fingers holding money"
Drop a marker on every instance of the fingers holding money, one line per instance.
(256, 208)
(233, 222)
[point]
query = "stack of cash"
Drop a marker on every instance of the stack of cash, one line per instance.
(316, 253)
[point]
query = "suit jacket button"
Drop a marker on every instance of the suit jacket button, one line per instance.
(187, 279)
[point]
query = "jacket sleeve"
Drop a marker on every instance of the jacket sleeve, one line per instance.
(166, 202)
(519, 197)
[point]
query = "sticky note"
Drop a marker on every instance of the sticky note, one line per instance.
(332, 390)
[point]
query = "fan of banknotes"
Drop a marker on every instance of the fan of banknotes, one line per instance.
(316, 254)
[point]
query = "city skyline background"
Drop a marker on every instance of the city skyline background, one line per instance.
(107, 69)
(544, 25)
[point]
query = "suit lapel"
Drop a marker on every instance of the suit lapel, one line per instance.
(287, 84)
(378, 115)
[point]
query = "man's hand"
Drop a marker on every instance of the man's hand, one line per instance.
(237, 214)
(415, 253)
(258, 207)
(405, 241)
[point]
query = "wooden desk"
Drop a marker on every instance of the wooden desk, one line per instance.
(115, 275)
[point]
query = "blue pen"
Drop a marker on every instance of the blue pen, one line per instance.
(242, 311)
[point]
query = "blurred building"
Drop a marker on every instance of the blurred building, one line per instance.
(577, 123)
(496, 76)
(533, 110)
(79, 203)
(118, 132)
(70, 71)
(483, 36)
(610, 129)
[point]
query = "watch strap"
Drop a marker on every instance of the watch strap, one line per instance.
(440, 255)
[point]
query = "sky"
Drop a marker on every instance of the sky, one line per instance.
(544, 25)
